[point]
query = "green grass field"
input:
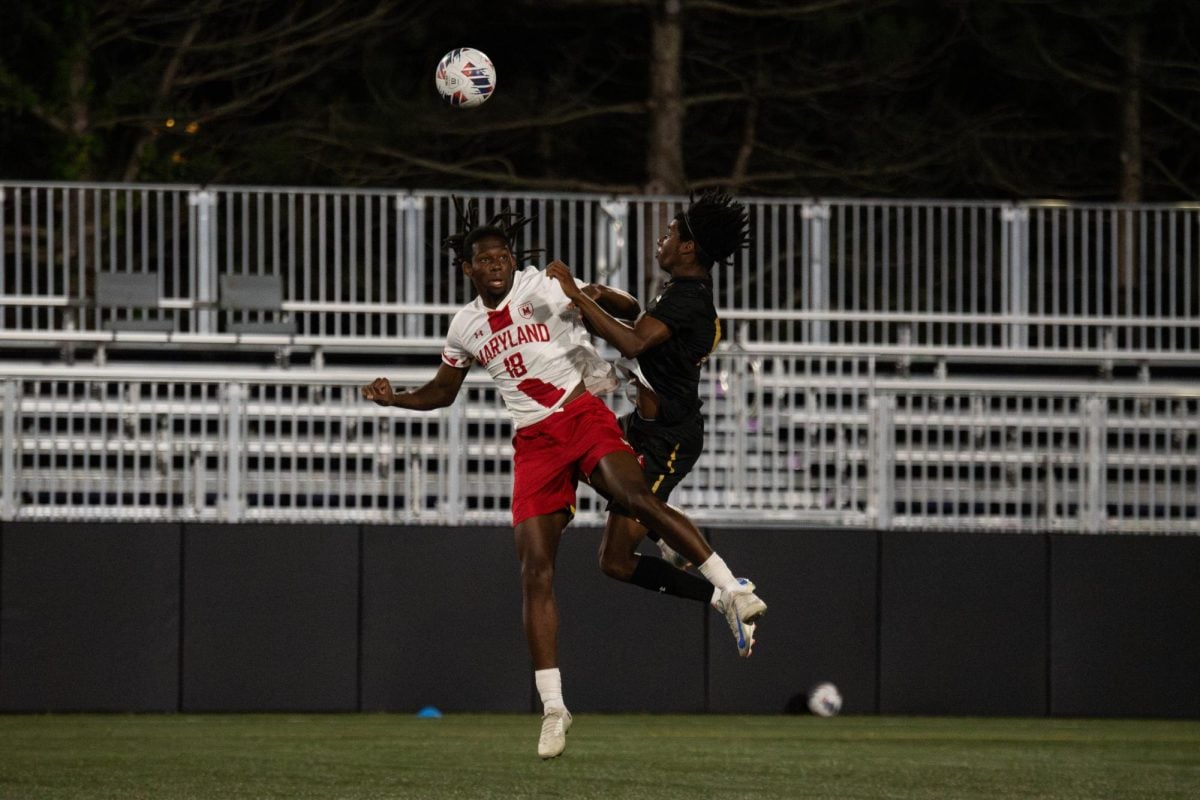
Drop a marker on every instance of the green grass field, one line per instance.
(608, 756)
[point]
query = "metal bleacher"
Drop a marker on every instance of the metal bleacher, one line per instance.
(885, 364)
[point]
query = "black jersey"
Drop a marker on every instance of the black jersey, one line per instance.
(672, 368)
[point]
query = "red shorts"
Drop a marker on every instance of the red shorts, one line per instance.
(550, 456)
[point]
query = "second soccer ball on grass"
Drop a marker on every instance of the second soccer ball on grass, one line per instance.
(825, 700)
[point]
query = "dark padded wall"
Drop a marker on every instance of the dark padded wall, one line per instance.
(621, 647)
(963, 624)
(89, 617)
(270, 618)
(442, 621)
(165, 617)
(1125, 625)
(819, 587)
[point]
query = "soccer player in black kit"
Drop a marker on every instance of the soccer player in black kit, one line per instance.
(663, 351)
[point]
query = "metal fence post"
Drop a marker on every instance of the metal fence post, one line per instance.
(412, 265)
(234, 395)
(1016, 240)
(8, 451)
(612, 226)
(454, 464)
(736, 391)
(816, 218)
(1095, 502)
(881, 486)
(3, 254)
(204, 275)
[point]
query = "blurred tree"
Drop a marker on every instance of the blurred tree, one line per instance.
(1096, 98)
(664, 146)
(821, 97)
(1078, 99)
(763, 96)
(168, 89)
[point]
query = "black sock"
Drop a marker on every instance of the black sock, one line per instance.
(659, 576)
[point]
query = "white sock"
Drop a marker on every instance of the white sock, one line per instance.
(549, 686)
(718, 573)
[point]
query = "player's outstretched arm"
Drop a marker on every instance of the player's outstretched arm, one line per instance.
(618, 303)
(437, 393)
(630, 341)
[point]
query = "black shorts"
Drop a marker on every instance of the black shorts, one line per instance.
(669, 452)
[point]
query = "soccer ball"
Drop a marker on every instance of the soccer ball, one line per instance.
(824, 700)
(465, 77)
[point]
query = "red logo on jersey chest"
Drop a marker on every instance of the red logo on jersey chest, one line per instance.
(526, 310)
(499, 319)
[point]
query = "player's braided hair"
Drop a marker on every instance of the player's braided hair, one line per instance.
(506, 224)
(717, 224)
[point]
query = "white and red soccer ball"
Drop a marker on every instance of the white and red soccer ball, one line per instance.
(465, 77)
(824, 700)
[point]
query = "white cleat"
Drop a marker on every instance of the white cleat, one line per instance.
(555, 724)
(742, 609)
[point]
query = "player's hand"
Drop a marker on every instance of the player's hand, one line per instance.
(379, 391)
(562, 273)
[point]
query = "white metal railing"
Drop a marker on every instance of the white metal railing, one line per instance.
(790, 440)
(954, 279)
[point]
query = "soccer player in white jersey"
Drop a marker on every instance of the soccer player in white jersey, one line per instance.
(522, 328)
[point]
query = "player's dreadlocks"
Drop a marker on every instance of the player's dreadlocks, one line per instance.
(505, 224)
(717, 224)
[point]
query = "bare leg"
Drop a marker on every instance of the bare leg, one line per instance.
(619, 559)
(618, 548)
(537, 541)
(619, 476)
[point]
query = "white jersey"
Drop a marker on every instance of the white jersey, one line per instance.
(534, 346)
